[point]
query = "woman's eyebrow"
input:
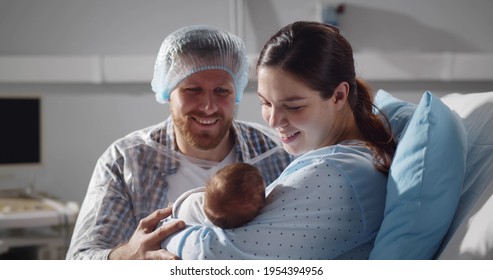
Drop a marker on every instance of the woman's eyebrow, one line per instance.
(288, 99)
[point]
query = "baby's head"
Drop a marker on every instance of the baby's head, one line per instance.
(234, 195)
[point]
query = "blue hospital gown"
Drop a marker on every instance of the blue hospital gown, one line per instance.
(327, 204)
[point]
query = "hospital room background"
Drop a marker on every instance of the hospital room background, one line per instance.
(90, 64)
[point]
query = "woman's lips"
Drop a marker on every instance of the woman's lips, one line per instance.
(288, 137)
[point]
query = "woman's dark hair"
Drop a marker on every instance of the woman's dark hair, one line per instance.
(319, 56)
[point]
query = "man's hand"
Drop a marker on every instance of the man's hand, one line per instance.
(145, 242)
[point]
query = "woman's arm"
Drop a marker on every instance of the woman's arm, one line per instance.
(312, 213)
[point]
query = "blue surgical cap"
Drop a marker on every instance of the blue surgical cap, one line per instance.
(195, 48)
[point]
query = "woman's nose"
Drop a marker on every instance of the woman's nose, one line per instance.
(277, 119)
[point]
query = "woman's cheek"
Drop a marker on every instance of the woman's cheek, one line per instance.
(265, 114)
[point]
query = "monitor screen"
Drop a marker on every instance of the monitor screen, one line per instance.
(20, 128)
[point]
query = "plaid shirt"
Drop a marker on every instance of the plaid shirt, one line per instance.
(130, 182)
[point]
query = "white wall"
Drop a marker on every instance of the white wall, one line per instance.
(386, 25)
(81, 120)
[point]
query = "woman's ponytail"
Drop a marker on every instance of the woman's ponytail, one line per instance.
(378, 136)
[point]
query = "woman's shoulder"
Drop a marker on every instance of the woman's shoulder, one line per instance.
(353, 154)
(354, 163)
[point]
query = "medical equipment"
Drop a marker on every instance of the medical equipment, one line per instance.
(34, 226)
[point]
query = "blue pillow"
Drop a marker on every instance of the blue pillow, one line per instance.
(398, 112)
(424, 183)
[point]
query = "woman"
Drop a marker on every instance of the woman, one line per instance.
(329, 202)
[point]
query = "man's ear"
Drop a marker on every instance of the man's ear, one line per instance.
(341, 93)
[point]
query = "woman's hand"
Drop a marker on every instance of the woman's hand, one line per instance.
(145, 242)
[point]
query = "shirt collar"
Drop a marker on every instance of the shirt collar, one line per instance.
(249, 143)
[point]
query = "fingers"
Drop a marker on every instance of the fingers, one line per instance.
(145, 241)
(162, 255)
(162, 233)
(168, 256)
(149, 223)
(168, 229)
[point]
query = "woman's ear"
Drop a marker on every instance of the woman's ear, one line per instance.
(341, 93)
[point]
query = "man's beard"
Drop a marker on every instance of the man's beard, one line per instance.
(202, 140)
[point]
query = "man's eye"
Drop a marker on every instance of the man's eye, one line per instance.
(264, 103)
(193, 89)
(221, 91)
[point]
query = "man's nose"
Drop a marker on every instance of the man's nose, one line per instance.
(208, 102)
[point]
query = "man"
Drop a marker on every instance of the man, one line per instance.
(201, 72)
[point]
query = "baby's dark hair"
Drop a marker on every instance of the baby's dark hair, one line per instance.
(234, 195)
